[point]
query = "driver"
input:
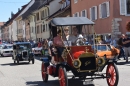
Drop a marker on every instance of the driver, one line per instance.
(58, 43)
(75, 36)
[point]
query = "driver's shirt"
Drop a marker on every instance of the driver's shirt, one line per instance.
(57, 41)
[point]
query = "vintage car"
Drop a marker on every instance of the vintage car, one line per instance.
(22, 51)
(6, 50)
(36, 50)
(84, 61)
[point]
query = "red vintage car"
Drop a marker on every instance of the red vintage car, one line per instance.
(82, 60)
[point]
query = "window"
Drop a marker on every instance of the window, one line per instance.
(93, 13)
(83, 13)
(75, 1)
(43, 28)
(37, 16)
(76, 15)
(104, 10)
(124, 7)
(42, 15)
(46, 27)
(45, 12)
(32, 29)
(38, 29)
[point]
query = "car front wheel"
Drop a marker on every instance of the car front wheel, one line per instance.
(63, 76)
(44, 72)
(112, 74)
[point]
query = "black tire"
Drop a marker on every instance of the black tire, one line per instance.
(44, 72)
(17, 60)
(113, 74)
(28, 61)
(33, 61)
(14, 62)
(63, 76)
(2, 55)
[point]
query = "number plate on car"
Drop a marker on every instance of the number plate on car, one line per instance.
(88, 82)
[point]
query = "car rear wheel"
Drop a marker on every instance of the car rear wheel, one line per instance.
(33, 61)
(63, 76)
(113, 74)
(44, 72)
(17, 61)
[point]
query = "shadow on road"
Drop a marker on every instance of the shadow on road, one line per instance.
(56, 83)
(123, 63)
(12, 64)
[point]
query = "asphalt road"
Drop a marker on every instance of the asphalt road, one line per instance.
(30, 74)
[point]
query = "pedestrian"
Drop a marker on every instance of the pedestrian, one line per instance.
(126, 43)
(120, 47)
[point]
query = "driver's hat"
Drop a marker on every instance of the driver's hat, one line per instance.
(80, 36)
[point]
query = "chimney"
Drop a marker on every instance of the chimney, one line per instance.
(12, 14)
(18, 9)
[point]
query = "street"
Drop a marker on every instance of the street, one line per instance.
(30, 74)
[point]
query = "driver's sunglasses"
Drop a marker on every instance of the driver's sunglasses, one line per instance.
(66, 30)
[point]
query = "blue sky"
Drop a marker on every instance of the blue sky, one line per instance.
(8, 6)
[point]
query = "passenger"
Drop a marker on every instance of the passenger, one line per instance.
(75, 36)
(58, 43)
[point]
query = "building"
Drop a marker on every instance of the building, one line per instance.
(110, 16)
(1, 24)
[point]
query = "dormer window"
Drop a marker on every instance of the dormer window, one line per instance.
(63, 4)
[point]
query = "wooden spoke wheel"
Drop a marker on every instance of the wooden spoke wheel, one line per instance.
(113, 74)
(44, 72)
(63, 76)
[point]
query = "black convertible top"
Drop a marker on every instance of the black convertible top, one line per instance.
(66, 21)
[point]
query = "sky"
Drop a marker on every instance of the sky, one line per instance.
(8, 6)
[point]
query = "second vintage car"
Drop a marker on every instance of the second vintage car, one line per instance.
(22, 51)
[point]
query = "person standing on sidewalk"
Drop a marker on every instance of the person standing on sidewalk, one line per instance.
(126, 43)
(120, 47)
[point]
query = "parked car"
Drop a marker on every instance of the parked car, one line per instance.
(22, 51)
(36, 50)
(6, 50)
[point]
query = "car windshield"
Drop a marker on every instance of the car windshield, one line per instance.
(100, 47)
(24, 46)
(8, 47)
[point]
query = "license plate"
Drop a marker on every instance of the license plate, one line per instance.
(88, 82)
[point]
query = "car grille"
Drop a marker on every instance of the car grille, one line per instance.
(88, 63)
(8, 51)
(24, 54)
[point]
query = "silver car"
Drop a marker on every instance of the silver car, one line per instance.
(6, 50)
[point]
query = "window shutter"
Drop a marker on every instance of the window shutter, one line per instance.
(122, 7)
(95, 12)
(90, 14)
(81, 14)
(108, 9)
(77, 14)
(85, 13)
(100, 11)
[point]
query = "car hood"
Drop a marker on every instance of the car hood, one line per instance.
(7, 49)
(37, 48)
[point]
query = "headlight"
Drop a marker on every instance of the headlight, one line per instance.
(76, 63)
(101, 61)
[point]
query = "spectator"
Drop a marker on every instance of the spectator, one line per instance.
(108, 40)
(126, 43)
